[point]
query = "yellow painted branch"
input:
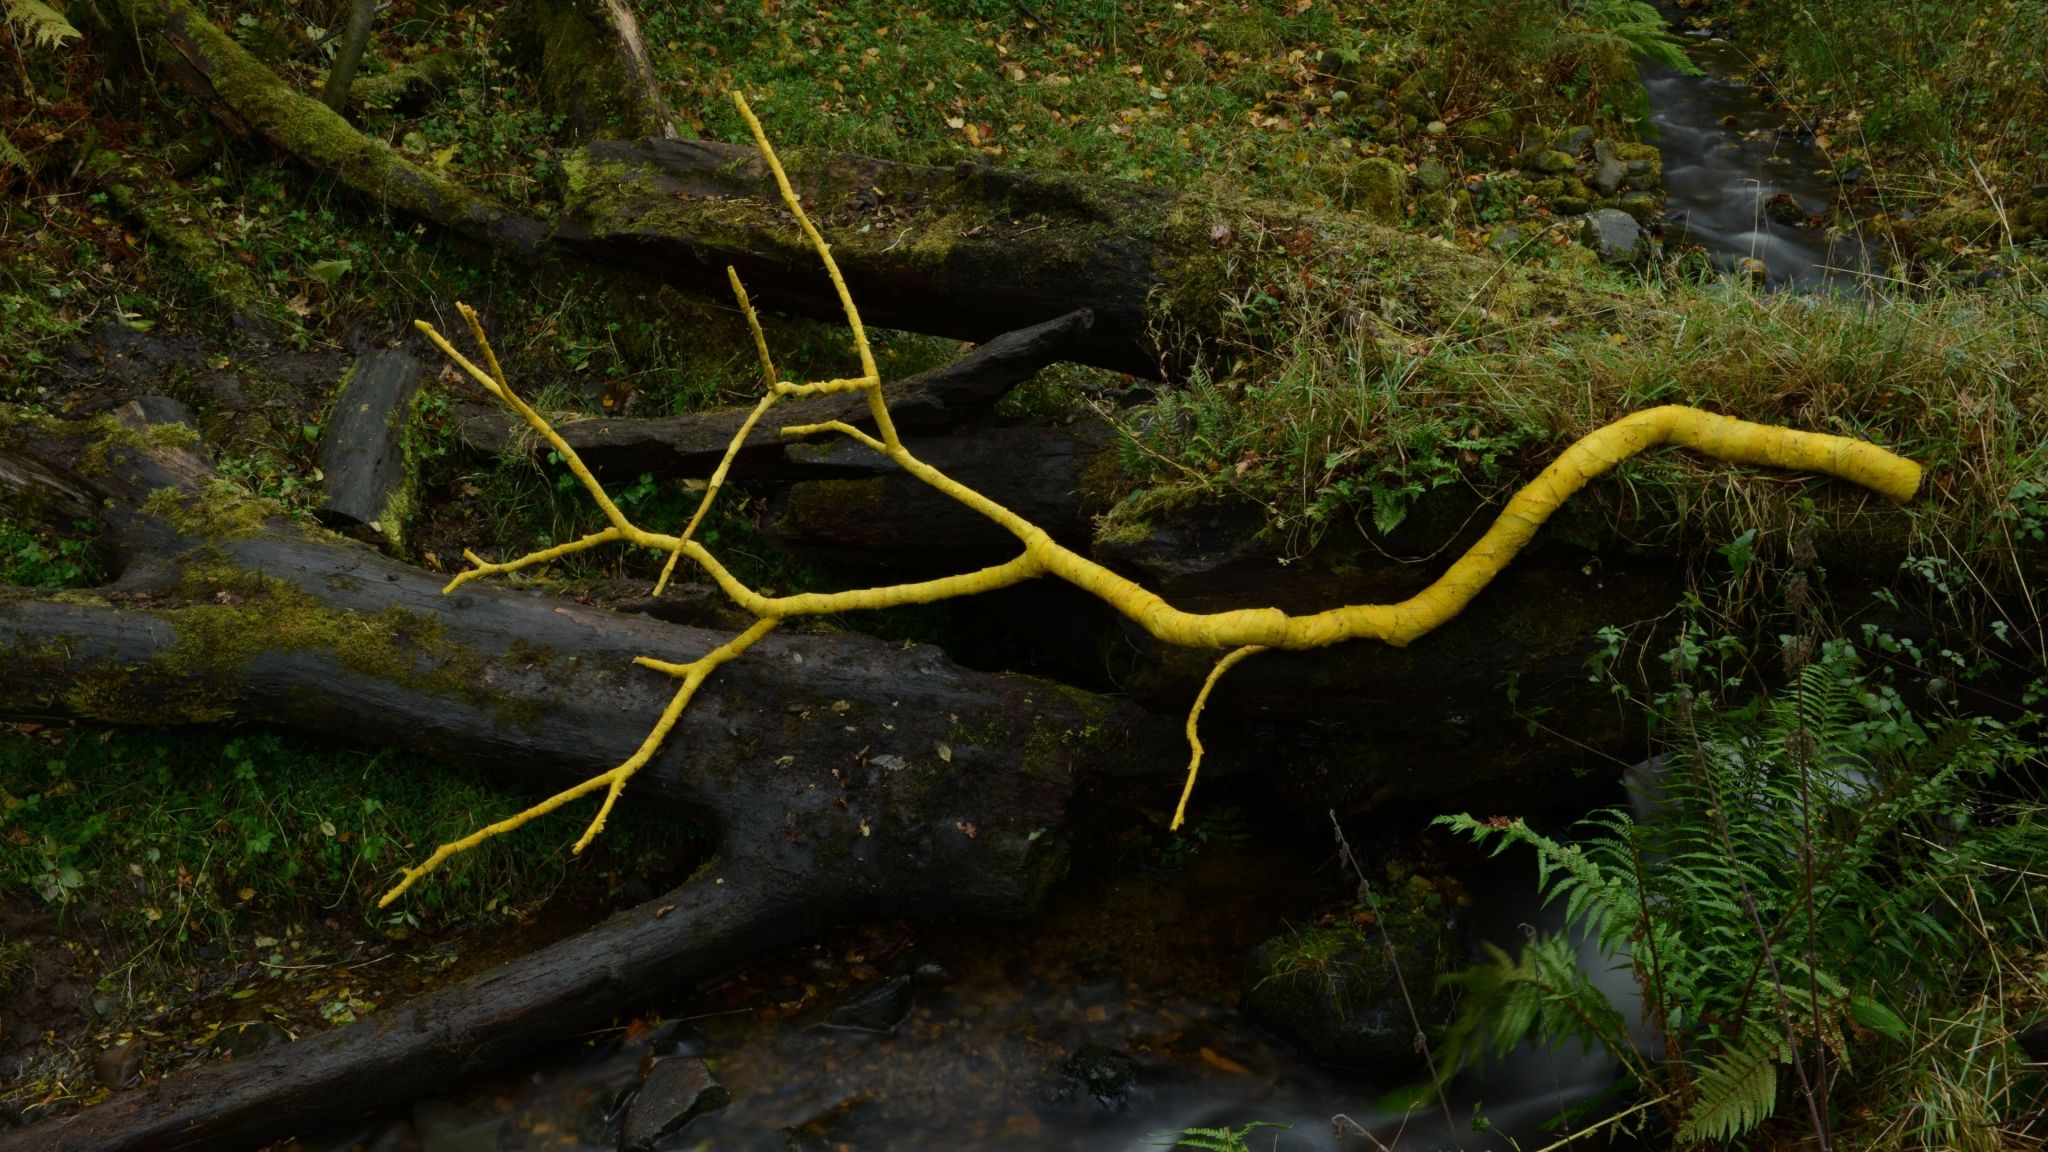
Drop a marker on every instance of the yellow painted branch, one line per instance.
(1244, 632)
(1180, 811)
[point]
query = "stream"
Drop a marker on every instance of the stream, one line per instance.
(1742, 177)
(1139, 967)
(1146, 965)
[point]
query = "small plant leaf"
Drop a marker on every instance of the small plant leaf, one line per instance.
(329, 271)
(1876, 1016)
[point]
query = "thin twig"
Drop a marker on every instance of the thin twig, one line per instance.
(1366, 897)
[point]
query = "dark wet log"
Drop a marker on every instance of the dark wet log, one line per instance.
(967, 252)
(871, 511)
(362, 452)
(938, 400)
(252, 99)
(490, 1020)
(846, 776)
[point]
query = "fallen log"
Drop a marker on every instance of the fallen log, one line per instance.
(844, 775)
(861, 507)
(250, 98)
(935, 401)
(971, 251)
(362, 450)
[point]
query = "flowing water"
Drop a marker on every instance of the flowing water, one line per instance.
(1146, 963)
(1743, 179)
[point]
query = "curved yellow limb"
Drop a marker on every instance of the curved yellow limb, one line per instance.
(1244, 631)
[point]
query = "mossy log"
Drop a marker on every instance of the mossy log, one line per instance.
(251, 98)
(971, 251)
(940, 400)
(845, 776)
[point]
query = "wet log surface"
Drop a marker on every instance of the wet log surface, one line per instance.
(968, 252)
(362, 454)
(939, 400)
(844, 775)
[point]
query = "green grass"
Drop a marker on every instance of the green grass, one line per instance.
(1207, 93)
(192, 835)
(1328, 425)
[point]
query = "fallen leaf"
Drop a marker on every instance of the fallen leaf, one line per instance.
(1222, 1063)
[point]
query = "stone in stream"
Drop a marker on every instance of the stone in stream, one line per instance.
(1331, 991)
(675, 1092)
(1102, 1072)
(1615, 236)
(878, 1009)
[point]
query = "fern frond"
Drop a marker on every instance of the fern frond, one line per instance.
(42, 25)
(1738, 1091)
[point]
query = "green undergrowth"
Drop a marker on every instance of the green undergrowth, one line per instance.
(1326, 421)
(191, 836)
(32, 559)
(1829, 894)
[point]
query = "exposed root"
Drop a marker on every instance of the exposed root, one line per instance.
(1244, 632)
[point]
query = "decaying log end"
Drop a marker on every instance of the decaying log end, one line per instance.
(365, 476)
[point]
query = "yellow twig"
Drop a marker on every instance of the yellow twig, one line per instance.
(1180, 811)
(1244, 632)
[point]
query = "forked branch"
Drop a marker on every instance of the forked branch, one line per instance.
(1241, 633)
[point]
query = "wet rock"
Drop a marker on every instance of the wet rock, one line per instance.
(1432, 176)
(1331, 991)
(1783, 209)
(675, 1092)
(1643, 206)
(877, 1009)
(1101, 1072)
(445, 1127)
(1607, 181)
(249, 1038)
(1554, 162)
(119, 1065)
(1574, 140)
(1615, 236)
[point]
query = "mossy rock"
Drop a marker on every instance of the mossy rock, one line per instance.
(1554, 162)
(1373, 186)
(1490, 137)
(1331, 991)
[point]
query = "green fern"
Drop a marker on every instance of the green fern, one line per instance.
(1217, 1139)
(1738, 1090)
(1820, 864)
(42, 25)
(1637, 25)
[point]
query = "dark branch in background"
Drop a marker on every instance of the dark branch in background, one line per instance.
(334, 93)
